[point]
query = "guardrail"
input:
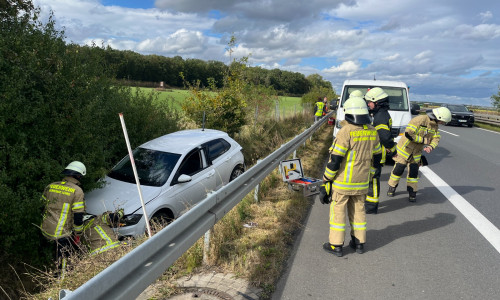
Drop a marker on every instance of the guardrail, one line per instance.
(488, 119)
(133, 273)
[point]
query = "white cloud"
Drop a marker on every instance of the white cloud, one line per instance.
(348, 68)
(431, 44)
(485, 16)
(479, 32)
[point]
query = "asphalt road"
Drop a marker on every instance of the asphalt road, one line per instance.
(423, 250)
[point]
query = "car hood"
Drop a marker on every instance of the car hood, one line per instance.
(399, 118)
(118, 194)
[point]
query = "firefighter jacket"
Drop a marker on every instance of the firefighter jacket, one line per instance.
(354, 155)
(420, 131)
(382, 122)
(319, 108)
(63, 199)
(99, 236)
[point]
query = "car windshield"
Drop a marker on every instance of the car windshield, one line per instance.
(457, 108)
(153, 167)
(397, 96)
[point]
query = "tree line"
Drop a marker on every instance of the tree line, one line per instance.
(132, 66)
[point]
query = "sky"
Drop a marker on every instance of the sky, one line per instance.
(447, 51)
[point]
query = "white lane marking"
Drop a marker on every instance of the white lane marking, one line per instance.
(489, 130)
(440, 130)
(483, 225)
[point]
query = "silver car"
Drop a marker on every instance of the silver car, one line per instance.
(176, 171)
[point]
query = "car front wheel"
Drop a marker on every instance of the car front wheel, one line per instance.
(160, 220)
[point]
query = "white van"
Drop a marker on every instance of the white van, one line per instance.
(399, 102)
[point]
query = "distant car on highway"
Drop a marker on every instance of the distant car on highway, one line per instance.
(176, 171)
(460, 114)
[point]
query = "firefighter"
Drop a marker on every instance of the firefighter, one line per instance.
(98, 234)
(420, 134)
(378, 105)
(319, 108)
(354, 155)
(64, 210)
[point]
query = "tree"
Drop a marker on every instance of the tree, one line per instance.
(495, 99)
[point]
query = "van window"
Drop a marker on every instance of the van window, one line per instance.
(397, 96)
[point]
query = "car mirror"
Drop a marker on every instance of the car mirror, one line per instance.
(184, 178)
(415, 109)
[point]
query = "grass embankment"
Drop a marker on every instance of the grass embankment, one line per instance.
(287, 105)
(257, 254)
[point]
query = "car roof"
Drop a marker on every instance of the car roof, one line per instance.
(184, 140)
(379, 83)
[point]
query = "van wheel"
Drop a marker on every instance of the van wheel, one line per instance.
(237, 171)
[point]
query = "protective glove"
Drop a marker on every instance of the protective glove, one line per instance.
(325, 192)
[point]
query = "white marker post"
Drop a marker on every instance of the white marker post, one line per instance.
(135, 173)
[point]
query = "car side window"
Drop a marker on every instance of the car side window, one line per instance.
(216, 148)
(192, 164)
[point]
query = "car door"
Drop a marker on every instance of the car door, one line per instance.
(195, 165)
(221, 160)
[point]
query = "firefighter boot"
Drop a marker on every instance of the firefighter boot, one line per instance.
(333, 249)
(356, 245)
(391, 191)
(412, 195)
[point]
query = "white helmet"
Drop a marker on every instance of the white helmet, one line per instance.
(442, 114)
(376, 94)
(356, 111)
(356, 93)
(75, 168)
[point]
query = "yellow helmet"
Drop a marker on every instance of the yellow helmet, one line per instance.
(356, 111)
(376, 94)
(75, 168)
(356, 93)
(442, 114)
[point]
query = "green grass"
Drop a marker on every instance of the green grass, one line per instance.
(487, 126)
(288, 104)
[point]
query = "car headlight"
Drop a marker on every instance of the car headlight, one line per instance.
(129, 220)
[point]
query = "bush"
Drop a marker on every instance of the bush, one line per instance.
(58, 104)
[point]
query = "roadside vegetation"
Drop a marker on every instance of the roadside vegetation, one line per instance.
(60, 102)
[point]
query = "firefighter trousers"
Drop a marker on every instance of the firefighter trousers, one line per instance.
(372, 198)
(411, 179)
(355, 205)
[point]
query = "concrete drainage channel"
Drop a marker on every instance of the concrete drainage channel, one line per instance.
(201, 293)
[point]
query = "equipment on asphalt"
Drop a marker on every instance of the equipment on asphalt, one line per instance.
(293, 174)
